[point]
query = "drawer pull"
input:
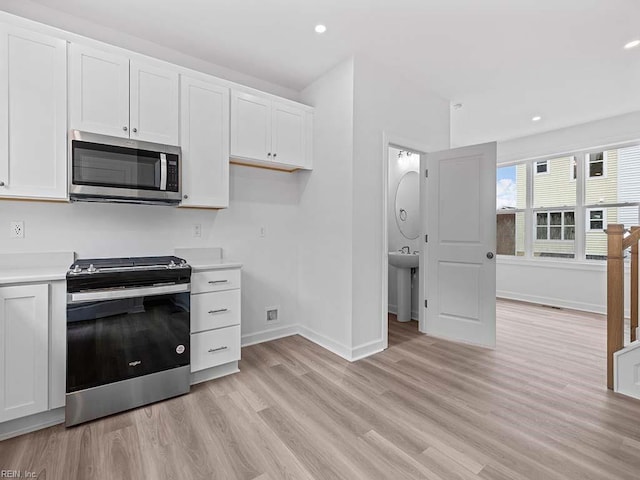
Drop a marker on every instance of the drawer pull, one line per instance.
(219, 349)
(213, 282)
(220, 310)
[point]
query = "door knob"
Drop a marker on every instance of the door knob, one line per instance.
(135, 130)
(1, 183)
(125, 128)
(489, 255)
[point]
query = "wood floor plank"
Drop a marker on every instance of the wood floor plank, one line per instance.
(535, 407)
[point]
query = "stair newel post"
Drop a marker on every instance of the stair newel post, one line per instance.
(615, 295)
(634, 286)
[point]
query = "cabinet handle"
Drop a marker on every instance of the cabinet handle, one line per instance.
(275, 155)
(186, 196)
(135, 130)
(269, 154)
(213, 282)
(220, 310)
(1, 183)
(219, 349)
(125, 128)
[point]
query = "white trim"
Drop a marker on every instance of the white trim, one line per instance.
(553, 302)
(415, 314)
(366, 350)
(269, 335)
(38, 421)
(325, 342)
(214, 372)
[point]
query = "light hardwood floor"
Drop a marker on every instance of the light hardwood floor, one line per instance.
(534, 408)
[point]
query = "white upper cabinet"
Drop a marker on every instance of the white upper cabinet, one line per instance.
(270, 133)
(251, 126)
(99, 86)
(113, 95)
(154, 104)
(33, 119)
(24, 342)
(205, 143)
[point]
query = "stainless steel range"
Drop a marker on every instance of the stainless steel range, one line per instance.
(127, 334)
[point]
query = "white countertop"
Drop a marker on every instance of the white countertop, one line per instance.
(214, 264)
(34, 267)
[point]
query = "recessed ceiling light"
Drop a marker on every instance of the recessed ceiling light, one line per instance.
(320, 28)
(632, 44)
(537, 118)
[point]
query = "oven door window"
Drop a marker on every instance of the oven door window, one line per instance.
(116, 167)
(115, 340)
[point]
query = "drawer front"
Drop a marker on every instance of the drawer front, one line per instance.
(215, 347)
(215, 280)
(215, 310)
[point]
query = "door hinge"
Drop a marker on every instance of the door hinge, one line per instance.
(425, 304)
(426, 173)
(426, 239)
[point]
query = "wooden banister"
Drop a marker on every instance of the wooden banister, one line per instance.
(632, 238)
(615, 295)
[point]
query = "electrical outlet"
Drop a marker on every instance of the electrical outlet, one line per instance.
(16, 229)
(272, 314)
(197, 230)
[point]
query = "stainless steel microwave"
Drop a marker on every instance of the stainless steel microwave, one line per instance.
(112, 169)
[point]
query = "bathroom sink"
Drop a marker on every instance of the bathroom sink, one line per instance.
(404, 260)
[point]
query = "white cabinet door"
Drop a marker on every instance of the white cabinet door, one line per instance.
(33, 122)
(288, 134)
(98, 91)
(24, 322)
(205, 144)
(250, 127)
(154, 94)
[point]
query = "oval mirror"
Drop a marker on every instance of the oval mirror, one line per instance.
(408, 205)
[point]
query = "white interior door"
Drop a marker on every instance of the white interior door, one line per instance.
(460, 273)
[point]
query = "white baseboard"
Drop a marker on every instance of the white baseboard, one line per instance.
(29, 424)
(214, 372)
(331, 345)
(394, 309)
(555, 302)
(366, 350)
(268, 335)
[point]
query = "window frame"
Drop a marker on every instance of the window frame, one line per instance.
(562, 225)
(589, 220)
(588, 162)
(581, 209)
(535, 167)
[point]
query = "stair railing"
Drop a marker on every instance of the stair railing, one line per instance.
(617, 243)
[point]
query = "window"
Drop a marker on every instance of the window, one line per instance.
(542, 167)
(555, 226)
(596, 220)
(561, 208)
(596, 164)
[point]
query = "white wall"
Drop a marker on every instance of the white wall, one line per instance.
(325, 215)
(384, 101)
(257, 198)
(397, 169)
(570, 284)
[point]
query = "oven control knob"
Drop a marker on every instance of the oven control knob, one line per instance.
(76, 269)
(92, 269)
(172, 264)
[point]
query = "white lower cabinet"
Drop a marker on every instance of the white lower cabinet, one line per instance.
(215, 318)
(24, 343)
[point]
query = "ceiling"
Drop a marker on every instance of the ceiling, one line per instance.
(504, 60)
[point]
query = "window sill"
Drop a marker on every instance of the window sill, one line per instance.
(566, 264)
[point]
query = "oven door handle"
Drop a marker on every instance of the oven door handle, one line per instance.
(113, 294)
